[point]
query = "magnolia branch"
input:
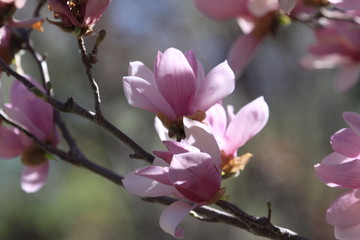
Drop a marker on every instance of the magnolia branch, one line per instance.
(70, 106)
(236, 217)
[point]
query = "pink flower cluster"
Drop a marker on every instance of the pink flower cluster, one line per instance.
(35, 116)
(342, 169)
(188, 108)
(255, 18)
(338, 45)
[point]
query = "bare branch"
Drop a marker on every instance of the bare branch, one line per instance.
(72, 107)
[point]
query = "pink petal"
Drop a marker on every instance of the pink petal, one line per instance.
(287, 5)
(349, 75)
(346, 4)
(195, 176)
(32, 112)
(161, 130)
(352, 233)
(176, 80)
(191, 58)
(261, 7)
(218, 83)
(344, 212)
(145, 187)
(10, 143)
(224, 9)
(138, 69)
(246, 24)
(242, 51)
(172, 216)
(94, 10)
(199, 136)
(248, 122)
(338, 171)
(324, 62)
(17, 3)
(353, 119)
(346, 142)
(216, 118)
(22, 119)
(166, 156)
(180, 147)
(23, 23)
(33, 178)
(20, 3)
(140, 93)
(157, 173)
(60, 7)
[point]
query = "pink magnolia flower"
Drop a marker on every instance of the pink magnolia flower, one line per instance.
(337, 46)
(189, 172)
(231, 132)
(37, 117)
(177, 88)
(342, 169)
(78, 14)
(234, 133)
(255, 18)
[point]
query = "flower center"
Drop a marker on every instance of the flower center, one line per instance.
(231, 164)
(176, 128)
(33, 156)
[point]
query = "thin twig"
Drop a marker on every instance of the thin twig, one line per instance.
(87, 63)
(40, 5)
(43, 68)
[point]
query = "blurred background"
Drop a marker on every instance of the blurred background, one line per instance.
(75, 204)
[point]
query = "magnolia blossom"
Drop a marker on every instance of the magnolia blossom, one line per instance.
(189, 172)
(80, 14)
(255, 18)
(233, 133)
(178, 87)
(337, 46)
(342, 169)
(36, 116)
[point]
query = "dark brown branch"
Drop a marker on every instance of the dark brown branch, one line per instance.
(75, 158)
(235, 217)
(259, 226)
(72, 107)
